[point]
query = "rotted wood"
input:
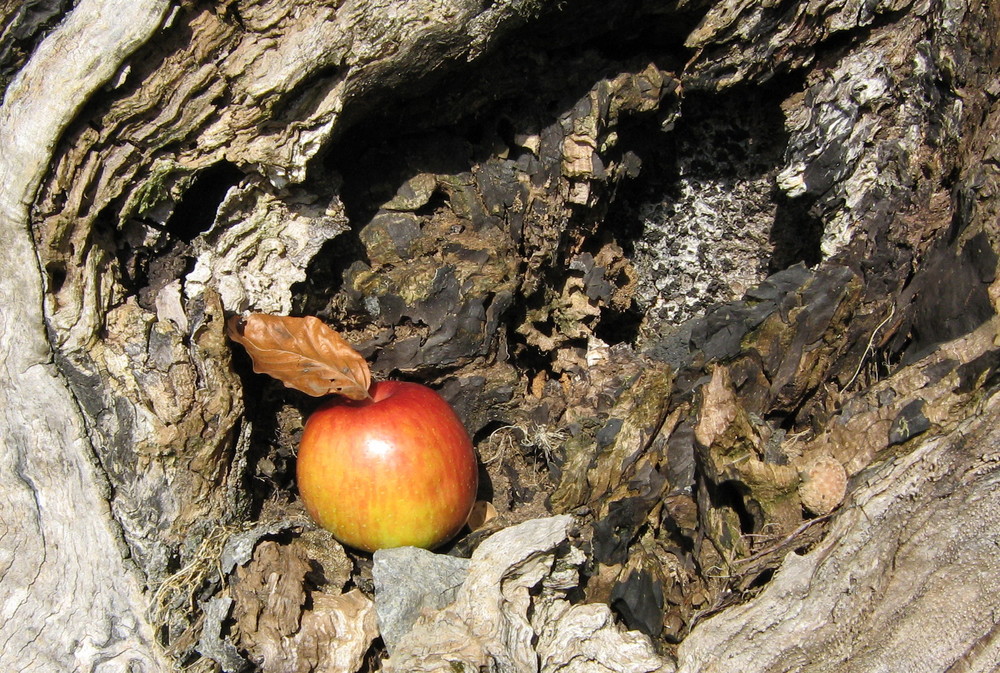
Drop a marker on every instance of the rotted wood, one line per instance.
(453, 186)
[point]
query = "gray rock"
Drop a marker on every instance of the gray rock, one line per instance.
(409, 580)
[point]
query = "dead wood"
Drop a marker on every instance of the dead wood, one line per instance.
(718, 278)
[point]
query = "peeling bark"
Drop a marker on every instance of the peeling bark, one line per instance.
(902, 514)
(733, 342)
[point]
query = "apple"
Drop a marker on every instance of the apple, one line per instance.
(394, 470)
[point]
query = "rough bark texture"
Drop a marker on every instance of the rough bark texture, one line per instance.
(940, 591)
(719, 278)
(72, 600)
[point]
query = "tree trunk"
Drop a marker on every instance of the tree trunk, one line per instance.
(717, 278)
(72, 599)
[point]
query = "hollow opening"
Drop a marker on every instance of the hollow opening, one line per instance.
(196, 211)
(703, 222)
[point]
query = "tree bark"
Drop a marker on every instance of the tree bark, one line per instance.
(72, 598)
(729, 271)
(908, 560)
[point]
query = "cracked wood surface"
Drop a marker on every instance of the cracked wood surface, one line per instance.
(906, 578)
(70, 599)
(125, 458)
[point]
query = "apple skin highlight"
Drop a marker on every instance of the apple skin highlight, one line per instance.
(396, 470)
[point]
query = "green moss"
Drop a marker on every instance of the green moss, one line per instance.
(415, 282)
(165, 178)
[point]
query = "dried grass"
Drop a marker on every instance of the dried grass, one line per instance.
(538, 441)
(175, 602)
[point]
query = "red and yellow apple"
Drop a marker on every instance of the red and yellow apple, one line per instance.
(394, 470)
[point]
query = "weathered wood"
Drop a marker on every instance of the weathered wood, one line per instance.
(906, 578)
(500, 198)
(71, 599)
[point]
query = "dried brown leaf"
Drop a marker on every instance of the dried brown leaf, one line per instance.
(302, 353)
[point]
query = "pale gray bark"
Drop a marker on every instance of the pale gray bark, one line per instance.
(907, 578)
(69, 596)
(485, 265)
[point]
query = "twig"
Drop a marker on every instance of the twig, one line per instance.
(788, 538)
(868, 348)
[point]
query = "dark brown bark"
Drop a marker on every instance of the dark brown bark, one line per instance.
(694, 272)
